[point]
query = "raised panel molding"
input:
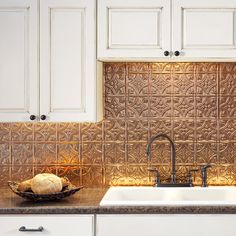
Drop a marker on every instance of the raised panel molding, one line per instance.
(67, 53)
(208, 28)
(14, 56)
(130, 35)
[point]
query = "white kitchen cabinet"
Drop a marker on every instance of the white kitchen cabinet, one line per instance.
(18, 59)
(53, 225)
(48, 62)
(133, 28)
(188, 29)
(68, 86)
(166, 225)
(204, 29)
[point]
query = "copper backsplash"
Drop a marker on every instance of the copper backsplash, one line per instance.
(195, 103)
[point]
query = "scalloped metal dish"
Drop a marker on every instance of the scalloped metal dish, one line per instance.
(66, 192)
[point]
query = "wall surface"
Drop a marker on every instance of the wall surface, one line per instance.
(194, 103)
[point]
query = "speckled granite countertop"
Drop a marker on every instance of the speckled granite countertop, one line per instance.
(87, 201)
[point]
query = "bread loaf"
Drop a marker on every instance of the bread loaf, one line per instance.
(46, 184)
(65, 182)
(25, 186)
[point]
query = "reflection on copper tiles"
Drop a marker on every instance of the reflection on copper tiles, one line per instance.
(194, 103)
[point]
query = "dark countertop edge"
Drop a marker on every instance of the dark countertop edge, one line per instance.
(87, 202)
(123, 210)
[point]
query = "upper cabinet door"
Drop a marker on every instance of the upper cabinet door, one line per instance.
(204, 29)
(68, 60)
(133, 28)
(18, 60)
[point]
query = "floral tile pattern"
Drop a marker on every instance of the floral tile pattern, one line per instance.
(194, 103)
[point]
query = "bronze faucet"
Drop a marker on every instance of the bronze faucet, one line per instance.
(173, 153)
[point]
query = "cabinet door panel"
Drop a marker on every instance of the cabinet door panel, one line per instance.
(166, 225)
(68, 61)
(54, 225)
(18, 59)
(204, 28)
(133, 28)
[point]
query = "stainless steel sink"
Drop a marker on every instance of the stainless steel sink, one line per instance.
(143, 196)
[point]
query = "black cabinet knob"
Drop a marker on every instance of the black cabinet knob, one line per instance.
(32, 117)
(166, 53)
(177, 53)
(43, 117)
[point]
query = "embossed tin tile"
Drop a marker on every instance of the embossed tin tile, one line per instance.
(183, 84)
(68, 132)
(157, 126)
(115, 107)
(227, 153)
(136, 153)
(114, 153)
(5, 175)
(206, 153)
(115, 130)
(161, 67)
(185, 68)
(115, 84)
(115, 175)
(184, 130)
(92, 176)
(114, 68)
(21, 172)
(45, 153)
(137, 85)
(160, 107)
(92, 153)
(5, 132)
(137, 107)
(137, 175)
(228, 106)
(5, 154)
(138, 130)
(22, 132)
(22, 153)
(228, 67)
(160, 85)
(206, 84)
(207, 68)
(160, 153)
(138, 68)
(183, 107)
(185, 152)
(206, 107)
(91, 132)
(45, 132)
(227, 129)
(68, 154)
(227, 84)
(226, 175)
(206, 130)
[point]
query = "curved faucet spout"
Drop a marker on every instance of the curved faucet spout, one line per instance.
(173, 153)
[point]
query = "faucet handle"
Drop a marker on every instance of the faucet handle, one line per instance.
(204, 174)
(190, 180)
(155, 170)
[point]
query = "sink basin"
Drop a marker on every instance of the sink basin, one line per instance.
(153, 196)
